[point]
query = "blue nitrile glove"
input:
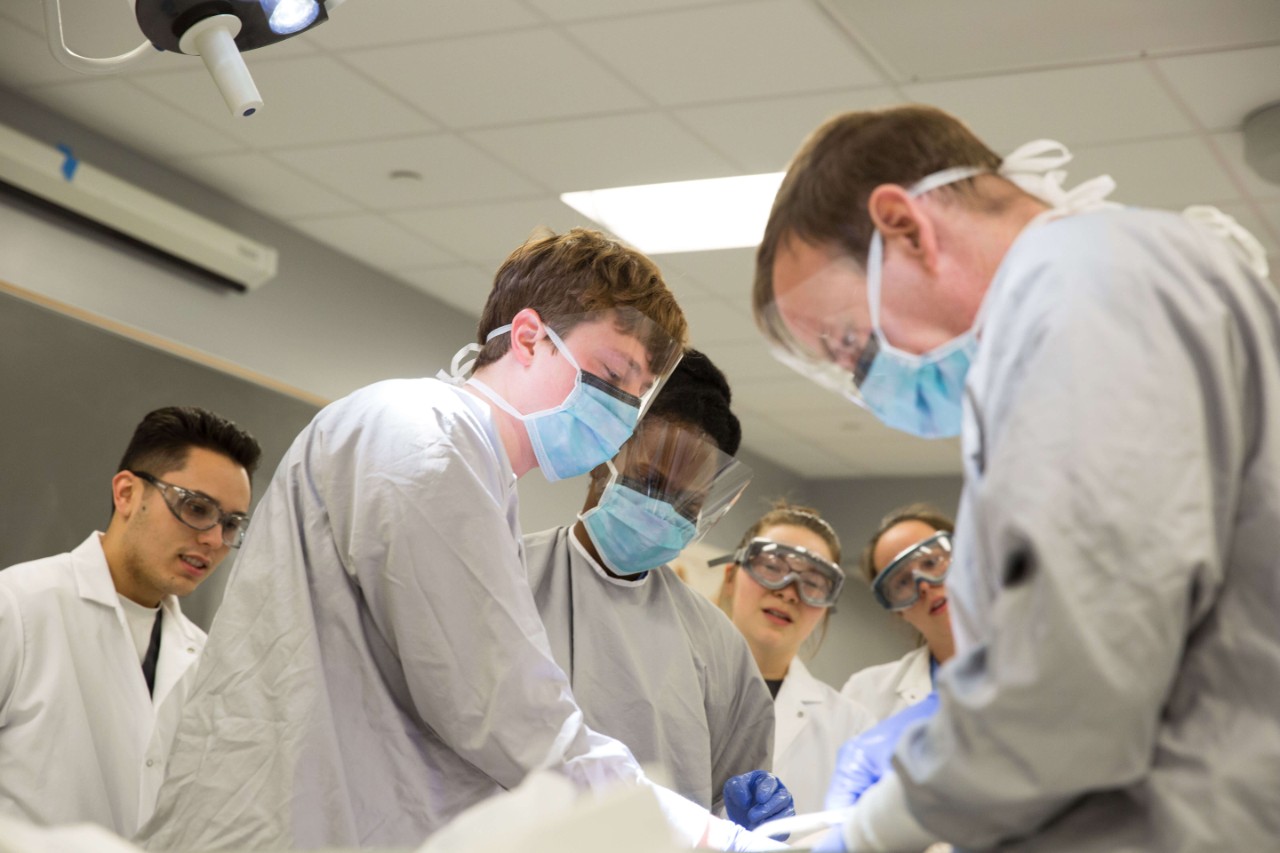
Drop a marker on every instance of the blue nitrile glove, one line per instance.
(865, 758)
(751, 799)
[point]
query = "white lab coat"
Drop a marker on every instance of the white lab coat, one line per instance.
(80, 739)
(377, 664)
(813, 721)
(655, 665)
(887, 688)
(1116, 581)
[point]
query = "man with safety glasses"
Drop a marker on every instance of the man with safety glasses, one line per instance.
(93, 644)
(687, 697)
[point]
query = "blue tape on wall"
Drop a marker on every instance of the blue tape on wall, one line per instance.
(69, 161)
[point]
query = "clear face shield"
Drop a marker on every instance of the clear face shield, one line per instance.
(774, 566)
(667, 486)
(897, 587)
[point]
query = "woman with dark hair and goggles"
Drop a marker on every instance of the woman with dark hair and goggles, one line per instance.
(906, 563)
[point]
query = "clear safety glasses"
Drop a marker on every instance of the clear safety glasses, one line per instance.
(198, 511)
(774, 566)
(816, 328)
(897, 587)
(677, 465)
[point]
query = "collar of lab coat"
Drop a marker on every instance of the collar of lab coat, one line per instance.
(913, 682)
(180, 641)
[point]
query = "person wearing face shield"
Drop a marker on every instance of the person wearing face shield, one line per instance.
(1114, 376)
(377, 664)
(779, 588)
(651, 661)
(906, 562)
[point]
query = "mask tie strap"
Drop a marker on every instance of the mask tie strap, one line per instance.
(1036, 169)
(1242, 242)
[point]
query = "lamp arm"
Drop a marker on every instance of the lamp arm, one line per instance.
(76, 62)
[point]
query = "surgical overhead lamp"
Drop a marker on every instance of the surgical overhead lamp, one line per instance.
(217, 31)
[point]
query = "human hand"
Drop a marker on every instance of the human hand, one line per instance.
(751, 799)
(864, 759)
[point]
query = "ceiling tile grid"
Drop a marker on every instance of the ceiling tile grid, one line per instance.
(488, 111)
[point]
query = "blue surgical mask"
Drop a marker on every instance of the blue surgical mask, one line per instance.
(584, 431)
(635, 533)
(920, 394)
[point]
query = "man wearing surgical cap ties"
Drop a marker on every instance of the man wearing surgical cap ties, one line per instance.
(652, 662)
(1114, 376)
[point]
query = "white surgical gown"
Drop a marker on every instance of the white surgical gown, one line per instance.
(1117, 574)
(655, 665)
(377, 664)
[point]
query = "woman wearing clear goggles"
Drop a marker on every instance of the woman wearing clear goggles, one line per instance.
(907, 562)
(779, 587)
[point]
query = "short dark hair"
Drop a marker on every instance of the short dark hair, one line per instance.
(164, 438)
(697, 394)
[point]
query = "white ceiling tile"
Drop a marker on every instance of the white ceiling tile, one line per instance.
(1232, 147)
(1167, 173)
(380, 22)
(93, 28)
(607, 151)
(789, 450)
(135, 118)
(713, 321)
(1076, 106)
(1271, 211)
(465, 287)
(452, 171)
(763, 135)
(746, 362)
(486, 233)
(725, 272)
(735, 51)
(25, 59)
(377, 241)
(578, 10)
(793, 395)
(313, 99)
(258, 181)
(498, 79)
(938, 39)
(1222, 88)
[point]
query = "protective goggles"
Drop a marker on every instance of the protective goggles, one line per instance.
(672, 463)
(897, 587)
(774, 566)
(199, 511)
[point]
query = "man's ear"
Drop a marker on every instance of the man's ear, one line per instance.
(902, 222)
(526, 330)
(125, 490)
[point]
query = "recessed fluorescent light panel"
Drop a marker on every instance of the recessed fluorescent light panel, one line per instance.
(684, 216)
